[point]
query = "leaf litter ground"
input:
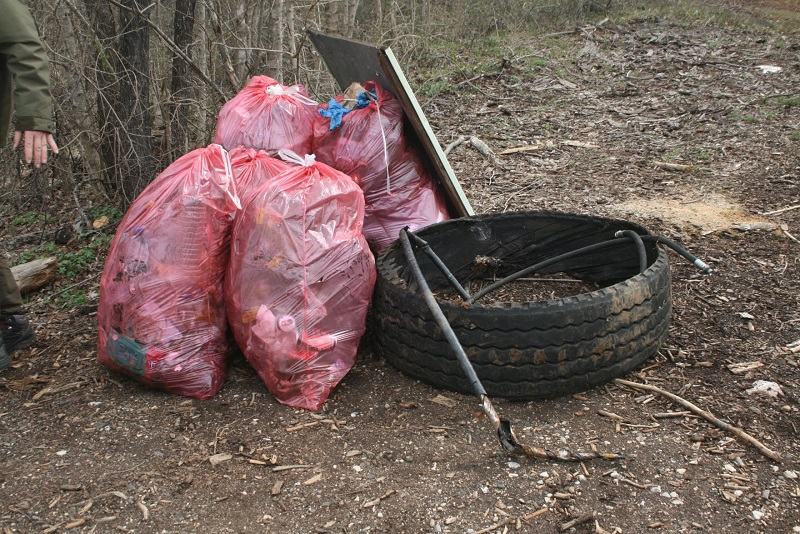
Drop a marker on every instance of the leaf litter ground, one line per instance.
(84, 450)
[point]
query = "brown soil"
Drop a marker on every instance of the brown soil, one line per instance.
(89, 451)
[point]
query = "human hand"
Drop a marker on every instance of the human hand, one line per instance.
(35, 145)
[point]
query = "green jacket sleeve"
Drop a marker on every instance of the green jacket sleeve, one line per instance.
(24, 72)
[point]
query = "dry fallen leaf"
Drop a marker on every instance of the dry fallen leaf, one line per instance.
(100, 222)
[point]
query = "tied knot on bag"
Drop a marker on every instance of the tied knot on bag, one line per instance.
(292, 92)
(293, 157)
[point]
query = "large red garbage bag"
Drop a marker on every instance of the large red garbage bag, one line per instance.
(300, 281)
(371, 147)
(269, 116)
(161, 317)
(413, 201)
(253, 168)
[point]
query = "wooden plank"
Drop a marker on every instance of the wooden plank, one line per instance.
(351, 61)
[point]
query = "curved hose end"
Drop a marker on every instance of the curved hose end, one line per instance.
(703, 266)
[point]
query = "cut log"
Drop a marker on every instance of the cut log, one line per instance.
(35, 274)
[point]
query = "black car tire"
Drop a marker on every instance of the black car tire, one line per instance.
(525, 350)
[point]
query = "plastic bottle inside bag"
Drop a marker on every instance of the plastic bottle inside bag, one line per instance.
(191, 221)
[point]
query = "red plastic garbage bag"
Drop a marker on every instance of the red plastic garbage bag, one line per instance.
(414, 201)
(371, 147)
(267, 115)
(253, 168)
(300, 281)
(161, 317)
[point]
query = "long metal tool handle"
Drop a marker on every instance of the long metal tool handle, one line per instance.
(503, 427)
(439, 317)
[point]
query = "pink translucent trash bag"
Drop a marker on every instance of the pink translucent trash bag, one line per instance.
(161, 317)
(414, 201)
(300, 281)
(253, 168)
(371, 147)
(269, 116)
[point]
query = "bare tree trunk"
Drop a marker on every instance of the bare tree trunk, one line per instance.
(134, 150)
(392, 19)
(351, 7)
(281, 30)
(332, 18)
(101, 18)
(275, 44)
(208, 101)
(223, 46)
(182, 88)
(78, 97)
(258, 56)
(294, 67)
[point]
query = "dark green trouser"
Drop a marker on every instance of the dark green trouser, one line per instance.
(10, 299)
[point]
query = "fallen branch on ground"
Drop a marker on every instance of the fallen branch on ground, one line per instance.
(705, 415)
(577, 521)
(513, 519)
(672, 166)
(782, 210)
(476, 143)
(35, 274)
(454, 144)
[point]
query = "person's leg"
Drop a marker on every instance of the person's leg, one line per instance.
(15, 328)
(10, 298)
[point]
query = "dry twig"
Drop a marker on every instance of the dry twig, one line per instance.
(454, 144)
(705, 415)
(513, 519)
(577, 521)
(782, 210)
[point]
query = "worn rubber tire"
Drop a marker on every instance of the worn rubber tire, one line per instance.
(525, 350)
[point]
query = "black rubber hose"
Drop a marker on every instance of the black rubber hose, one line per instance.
(700, 264)
(426, 248)
(546, 263)
(637, 239)
(441, 320)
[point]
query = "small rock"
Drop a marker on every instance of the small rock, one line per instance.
(790, 474)
(513, 465)
(757, 514)
(768, 388)
(220, 458)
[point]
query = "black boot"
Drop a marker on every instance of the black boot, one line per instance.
(5, 357)
(17, 332)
